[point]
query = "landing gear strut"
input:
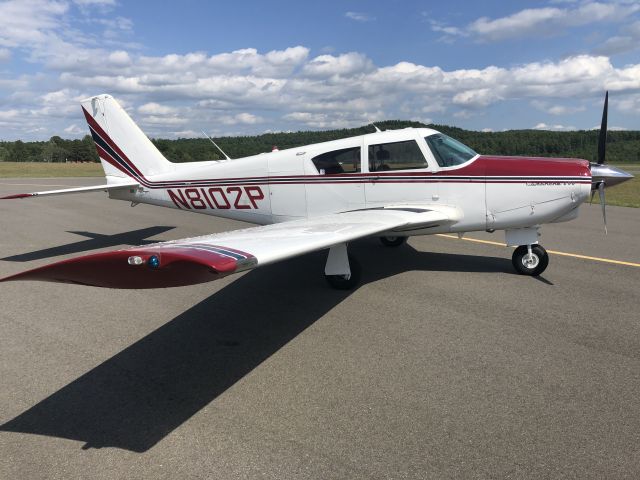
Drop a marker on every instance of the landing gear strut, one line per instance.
(530, 259)
(342, 271)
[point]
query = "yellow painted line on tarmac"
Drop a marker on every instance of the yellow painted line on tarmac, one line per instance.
(555, 252)
(477, 240)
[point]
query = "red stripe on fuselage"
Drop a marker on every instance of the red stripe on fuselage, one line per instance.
(493, 166)
(483, 166)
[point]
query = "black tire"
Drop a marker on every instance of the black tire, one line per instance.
(340, 282)
(534, 266)
(393, 241)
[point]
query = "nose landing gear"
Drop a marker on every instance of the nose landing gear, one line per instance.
(530, 259)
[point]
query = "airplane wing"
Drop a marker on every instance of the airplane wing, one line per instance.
(202, 259)
(93, 188)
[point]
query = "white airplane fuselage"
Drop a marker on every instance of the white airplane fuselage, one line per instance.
(489, 193)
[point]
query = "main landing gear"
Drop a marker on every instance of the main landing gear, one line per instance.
(342, 271)
(530, 259)
(393, 241)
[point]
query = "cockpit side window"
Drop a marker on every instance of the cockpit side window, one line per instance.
(396, 156)
(447, 151)
(345, 160)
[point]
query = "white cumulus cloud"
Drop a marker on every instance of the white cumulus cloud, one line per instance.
(153, 108)
(345, 64)
(543, 21)
(555, 127)
(243, 118)
(359, 16)
(74, 129)
(243, 90)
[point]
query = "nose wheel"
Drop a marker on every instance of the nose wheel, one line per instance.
(530, 259)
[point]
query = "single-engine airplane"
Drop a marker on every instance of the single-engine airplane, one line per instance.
(388, 184)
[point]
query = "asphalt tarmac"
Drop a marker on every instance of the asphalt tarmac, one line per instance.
(443, 364)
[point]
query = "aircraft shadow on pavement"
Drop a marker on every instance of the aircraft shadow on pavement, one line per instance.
(139, 396)
(95, 241)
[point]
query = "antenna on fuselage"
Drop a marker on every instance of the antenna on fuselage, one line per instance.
(216, 145)
(376, 127)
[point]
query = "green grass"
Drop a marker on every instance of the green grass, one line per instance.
(43, 169)
(624, 195)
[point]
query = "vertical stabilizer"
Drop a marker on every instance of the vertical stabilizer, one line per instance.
(124, 150)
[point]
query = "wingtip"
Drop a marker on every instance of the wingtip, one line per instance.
(17, 195)
(173, 266)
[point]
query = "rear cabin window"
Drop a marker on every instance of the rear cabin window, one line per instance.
(396, 156)
(346, 160)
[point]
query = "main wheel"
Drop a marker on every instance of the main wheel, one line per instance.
(393, 241)
(533, 264)
(346, 282)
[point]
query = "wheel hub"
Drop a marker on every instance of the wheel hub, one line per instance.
(530, 260)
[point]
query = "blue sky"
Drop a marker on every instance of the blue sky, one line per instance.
(234, 68)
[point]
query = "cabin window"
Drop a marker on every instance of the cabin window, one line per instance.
(396, 156)
(345, 160)
(449, 152)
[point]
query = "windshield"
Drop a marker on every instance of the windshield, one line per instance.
(447, 151)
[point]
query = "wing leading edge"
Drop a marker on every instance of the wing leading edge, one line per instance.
(202, 259)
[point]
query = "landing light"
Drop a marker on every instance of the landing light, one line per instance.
(134, 260)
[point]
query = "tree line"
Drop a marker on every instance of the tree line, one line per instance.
(622, 146)
(56, 150)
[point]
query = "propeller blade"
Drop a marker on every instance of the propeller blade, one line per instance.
(602, 138)
(603, 204)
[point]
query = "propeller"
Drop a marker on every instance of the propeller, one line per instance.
(602, 137)
(602, 175)
(603, 204)
(602, 150)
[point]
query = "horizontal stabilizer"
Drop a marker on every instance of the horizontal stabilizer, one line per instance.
(65, 191)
